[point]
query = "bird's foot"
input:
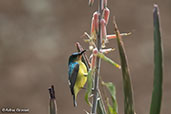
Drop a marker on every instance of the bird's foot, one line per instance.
(83, 88)
(85, 74)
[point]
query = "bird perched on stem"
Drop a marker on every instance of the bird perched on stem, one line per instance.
(77, 71)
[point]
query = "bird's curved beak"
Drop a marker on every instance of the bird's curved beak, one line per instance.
(80, 54)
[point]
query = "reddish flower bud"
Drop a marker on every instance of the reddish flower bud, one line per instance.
(113, 36)
(106, 14)
(103, 32)
(107, 50)
(103, 26)
(95, 51)
(93, 60)
(92, 26)
(96, 22)
(105, 3)
(90, 3)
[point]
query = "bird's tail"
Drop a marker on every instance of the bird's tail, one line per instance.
(74, 101)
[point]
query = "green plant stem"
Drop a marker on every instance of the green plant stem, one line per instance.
(98, 62)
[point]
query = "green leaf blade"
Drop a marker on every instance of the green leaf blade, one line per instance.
(89, 86)
(102, 56)
(158, 65)
(112, 109)
(100, 107)
(128, 91)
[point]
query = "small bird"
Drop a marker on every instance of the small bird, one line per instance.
(77, 71)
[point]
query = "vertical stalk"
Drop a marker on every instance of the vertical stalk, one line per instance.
(98, 62)
(52, 102)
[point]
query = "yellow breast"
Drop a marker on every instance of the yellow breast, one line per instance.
(81, 78)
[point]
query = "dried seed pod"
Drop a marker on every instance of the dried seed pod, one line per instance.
(106, 14)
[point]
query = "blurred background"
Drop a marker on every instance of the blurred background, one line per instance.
(38, 36)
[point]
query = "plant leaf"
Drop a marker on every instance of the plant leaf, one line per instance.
(89, 86)
(111, 109)
(128, 92)
(100, 108)
(102, 56)
(158, 70)
(112, 90)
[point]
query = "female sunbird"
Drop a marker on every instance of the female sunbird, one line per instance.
(77, 71)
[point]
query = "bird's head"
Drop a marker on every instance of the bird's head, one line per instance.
(76, 56)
